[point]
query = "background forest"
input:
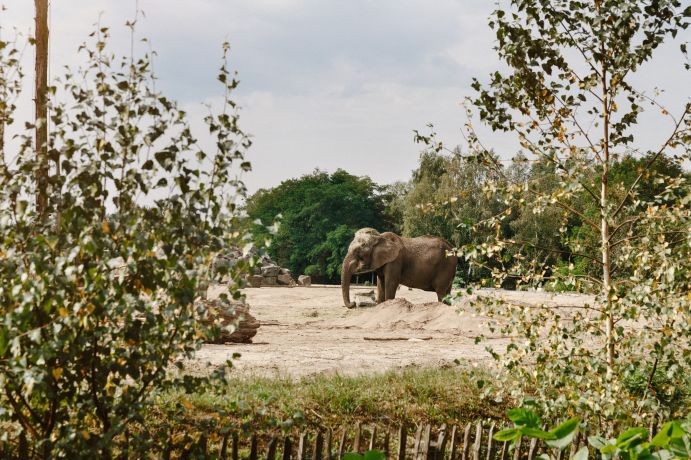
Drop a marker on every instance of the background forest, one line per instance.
(320, 212)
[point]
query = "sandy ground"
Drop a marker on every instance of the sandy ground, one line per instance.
(307, 330)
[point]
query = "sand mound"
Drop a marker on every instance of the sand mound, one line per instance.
(399, 314)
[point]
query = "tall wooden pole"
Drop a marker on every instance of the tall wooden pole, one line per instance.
(41, 106)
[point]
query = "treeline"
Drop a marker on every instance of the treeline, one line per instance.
(446, 196)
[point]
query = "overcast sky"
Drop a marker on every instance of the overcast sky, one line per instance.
(324, 83)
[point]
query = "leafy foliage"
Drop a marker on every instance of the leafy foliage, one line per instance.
(98, 294)
(570, 66)
(673, 440)
(319, 214)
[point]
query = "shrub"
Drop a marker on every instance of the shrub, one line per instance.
(97, 294)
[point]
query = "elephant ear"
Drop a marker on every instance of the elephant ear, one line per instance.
(384, 251)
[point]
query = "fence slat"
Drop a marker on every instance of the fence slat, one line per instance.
(466, 441)
(318, 446)
(574, 444)
(358, 434)
(373, 438)
(478, 441)
(440, 448)
(423, 450)
(287, 449)
(517, 450)
(452, 454)
(489, 442)
(224, 447)
(234, 450)
(253, 448)
(418, 435)
(328, 442)
(386, 442)
(504, 447)
(402, 439)
(302, 446)
(531, 450)
(271, 449)
(341, 444)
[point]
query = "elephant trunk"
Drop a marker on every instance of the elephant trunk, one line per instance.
(346, 272)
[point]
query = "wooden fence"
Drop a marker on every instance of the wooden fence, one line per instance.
(470, 442)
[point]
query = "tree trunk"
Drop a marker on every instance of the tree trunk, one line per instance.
(41, 117)
(606, 247)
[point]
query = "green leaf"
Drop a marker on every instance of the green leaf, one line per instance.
(509, 434)
(629, 437)
(374, 455)
(352, 456)
(597, 442)
(525, 417)
(536, 433)
(582, 454)
(564, 433)
(670, 430)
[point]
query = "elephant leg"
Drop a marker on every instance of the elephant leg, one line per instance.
(381, 291)
(391, 286)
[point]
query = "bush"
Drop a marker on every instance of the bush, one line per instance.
(97, 293)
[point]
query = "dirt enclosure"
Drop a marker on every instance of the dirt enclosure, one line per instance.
(307, 330)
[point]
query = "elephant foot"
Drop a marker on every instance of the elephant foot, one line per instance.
(352, 305)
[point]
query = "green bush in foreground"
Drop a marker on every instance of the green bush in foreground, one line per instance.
(97, 294)
(673, 440)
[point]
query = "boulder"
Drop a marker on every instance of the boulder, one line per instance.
(271, 270)
(285, 271)
(269, 281)
(365, 299)
(285, 280)
(304, 280)
(224, 315)
(255, 281)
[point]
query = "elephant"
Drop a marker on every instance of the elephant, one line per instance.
(424, 262)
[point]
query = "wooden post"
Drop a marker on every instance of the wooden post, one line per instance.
(424, 445)
(328, 442)
(318, 446)
(452, 454)
(531, 450)
(235, 448)
(517, 450)
(287, 449)
(478, 441)
(358, 434)
(504, 447)
(386, 442)
(253, 447)
(373, 438)
(489, 441)
(440, 448)
(302, 446)
(466, 441)
(402, 439)
(224, 447)
(41, 115)
(341, 444)
(271, 449)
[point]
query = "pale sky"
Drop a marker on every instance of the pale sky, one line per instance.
(324, 83)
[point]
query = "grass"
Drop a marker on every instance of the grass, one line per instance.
(436, 395)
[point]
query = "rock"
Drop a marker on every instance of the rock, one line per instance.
(304, 280)
(255, 281)
(269, 281)
(271, 270)
(365, 299)
(285, 280)
(285, 271)
(224, 315)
